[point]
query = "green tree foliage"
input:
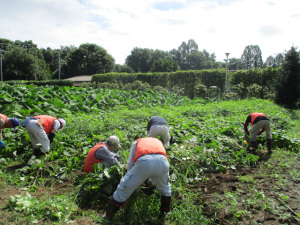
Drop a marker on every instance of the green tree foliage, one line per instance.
(139, 60)
(189, 57)
(88, 59)
(274, 62)
(164, 65)
(270, 62)
(252, 57)
(234, 64)
(143, 60)
(288, 93)
(122, 69)
(279, 59)
(18, 64)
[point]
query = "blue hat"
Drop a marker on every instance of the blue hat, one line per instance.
(15, 122)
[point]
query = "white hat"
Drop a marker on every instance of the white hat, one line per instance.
(63, 122)
(114, 140)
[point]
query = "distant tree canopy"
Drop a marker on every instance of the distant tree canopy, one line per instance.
(88, 59)
(143, 60)
(23, 60)
(288, 93)
(252, 57)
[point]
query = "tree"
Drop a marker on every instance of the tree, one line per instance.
(252, 57)
(20, 65)
(288, 92)
(234, 64)
(122, 69)
(88, 59)
(279, 59)
(140, 60)
(181, 55)
(197, 61)
(270, 62)
(164, 65)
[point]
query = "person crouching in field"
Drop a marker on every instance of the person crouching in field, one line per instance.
(41, 130)
(147, 160)
(260, 123)
(6, 122)
(101, 153)
(157, 126)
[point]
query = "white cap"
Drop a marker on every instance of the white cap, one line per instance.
(63, 122)
(114, 140)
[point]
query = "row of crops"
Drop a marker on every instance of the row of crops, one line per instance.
(208, 137)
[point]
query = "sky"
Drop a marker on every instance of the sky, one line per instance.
(118, 26)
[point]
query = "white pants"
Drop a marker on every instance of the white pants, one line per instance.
(162, 131)
(38, 136)
(262, 124)
(154, 166)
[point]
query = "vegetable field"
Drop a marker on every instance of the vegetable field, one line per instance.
(215, 180)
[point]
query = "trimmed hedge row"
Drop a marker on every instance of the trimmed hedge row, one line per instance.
(188, 80)
(42, 82)
(181, 79)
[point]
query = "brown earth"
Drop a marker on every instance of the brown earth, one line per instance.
(248, 195)
(267, 183)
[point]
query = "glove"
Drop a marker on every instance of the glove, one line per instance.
(51, 136)
(118, 157)
(2, 144)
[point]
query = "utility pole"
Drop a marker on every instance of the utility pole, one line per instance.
(1, 64)
(59, 65)
(226, 83)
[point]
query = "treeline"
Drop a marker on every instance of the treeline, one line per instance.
(24, 61)
(281, 84)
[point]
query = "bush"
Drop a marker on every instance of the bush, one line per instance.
(137, 85)
(159, 89)
(200, 91)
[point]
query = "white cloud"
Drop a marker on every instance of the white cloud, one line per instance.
(218, 26)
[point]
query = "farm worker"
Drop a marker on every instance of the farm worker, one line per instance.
(157, 126)
(101, 153)
(147, 159)
(260, 123)
(6, 122)
(41, 130)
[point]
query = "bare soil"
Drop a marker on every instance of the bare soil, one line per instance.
(270, 179)
(224, 196)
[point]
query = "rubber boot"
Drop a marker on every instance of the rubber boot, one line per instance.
(269, 145)
(165, 206)
(37, 152)
(253, 146)
(112, 208)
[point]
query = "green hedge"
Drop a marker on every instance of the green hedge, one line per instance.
(266, 79)
(181, 79)
(42, 83)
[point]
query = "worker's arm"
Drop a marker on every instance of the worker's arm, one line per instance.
(109, 157)
(248, 120)
(130, 161)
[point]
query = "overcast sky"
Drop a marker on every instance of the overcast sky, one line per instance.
(118, 26)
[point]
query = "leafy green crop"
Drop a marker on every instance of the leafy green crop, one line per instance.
(208, 137)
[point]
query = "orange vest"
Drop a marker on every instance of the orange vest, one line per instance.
(91, 159)
(4, 118)
(48, 122)
(255, 115)
(149, 145)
